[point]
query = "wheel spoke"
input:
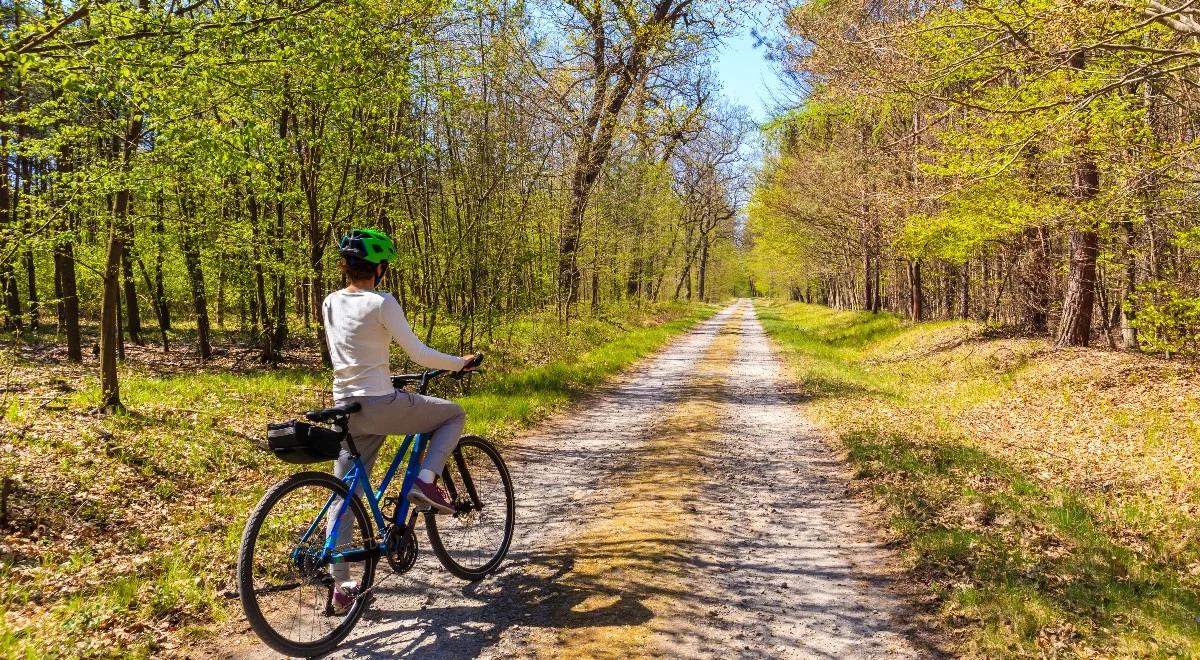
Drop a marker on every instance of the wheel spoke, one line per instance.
(285, 578)
(475, 539)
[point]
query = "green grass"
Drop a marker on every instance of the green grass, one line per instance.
(1025, 556)
(126, 525)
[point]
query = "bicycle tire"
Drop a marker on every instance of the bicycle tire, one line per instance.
(245, 571)
(473, 573)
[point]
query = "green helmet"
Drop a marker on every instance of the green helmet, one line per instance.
(367, 244)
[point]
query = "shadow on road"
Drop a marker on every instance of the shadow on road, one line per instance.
(533, 590)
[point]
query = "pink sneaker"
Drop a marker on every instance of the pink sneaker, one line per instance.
(423, 494)
(343, 597)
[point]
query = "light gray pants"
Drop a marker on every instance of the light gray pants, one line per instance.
(398, 413)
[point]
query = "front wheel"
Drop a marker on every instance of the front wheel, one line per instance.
(285, 580)
(473, 541)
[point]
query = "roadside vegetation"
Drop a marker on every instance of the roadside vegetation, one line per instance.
(119, 531)
(1030, 163)
(1045, 499)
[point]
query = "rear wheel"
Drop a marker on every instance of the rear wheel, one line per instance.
(474, 540)
(284, 585)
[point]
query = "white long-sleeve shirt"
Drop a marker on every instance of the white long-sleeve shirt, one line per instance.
(359, 328)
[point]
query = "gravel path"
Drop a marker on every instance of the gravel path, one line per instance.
(686, 510)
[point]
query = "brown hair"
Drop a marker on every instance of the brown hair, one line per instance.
(357, 269)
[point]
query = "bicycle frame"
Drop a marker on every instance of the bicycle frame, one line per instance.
(358, 479)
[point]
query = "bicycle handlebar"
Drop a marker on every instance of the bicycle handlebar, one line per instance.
(423, 378)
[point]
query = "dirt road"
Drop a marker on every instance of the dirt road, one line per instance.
(688, 510)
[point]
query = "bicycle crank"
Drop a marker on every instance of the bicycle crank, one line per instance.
(402, 552)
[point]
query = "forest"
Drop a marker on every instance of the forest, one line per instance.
(963, 237)
(1031, 164)
(187, 167)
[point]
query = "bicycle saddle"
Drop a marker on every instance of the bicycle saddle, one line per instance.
(326, 414)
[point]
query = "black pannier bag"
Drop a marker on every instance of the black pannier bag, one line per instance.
(300, 442)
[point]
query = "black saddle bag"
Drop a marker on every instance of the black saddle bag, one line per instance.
(301, 442)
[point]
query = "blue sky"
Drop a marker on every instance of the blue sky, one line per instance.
(746, 76)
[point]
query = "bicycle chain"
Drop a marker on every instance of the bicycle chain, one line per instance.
(406, 556)
(409, 560)
(377, 583)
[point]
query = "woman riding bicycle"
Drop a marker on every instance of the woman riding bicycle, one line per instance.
(360, 324)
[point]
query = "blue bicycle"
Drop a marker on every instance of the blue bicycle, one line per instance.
(309, 535)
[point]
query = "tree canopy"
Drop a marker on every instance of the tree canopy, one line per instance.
(1031, 163)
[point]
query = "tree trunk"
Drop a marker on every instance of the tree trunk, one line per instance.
(568, 246)
(1150, 198)
(985, 286)
(133, 316)
(120, 322)
(66, 283)
(684, 278)
(317, 292)
(916, 298)
(8, 277)
(596, 279)
(279, 336)
(158, 305)
(877, 301)
(1109, 314)
(31, 286)
(260, 313)
(110, 302)
(318, 239)
(868, 280)
(160, 294)
(68, 294)
(1075, 327)
(195, 271)
(601, 122)
(1033, 278)
(1128, 302)
(12, 296)
(221, 276)
(964, 310)
(110, 297)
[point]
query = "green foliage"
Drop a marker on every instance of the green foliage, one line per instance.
(247, 138)
(1169, 320)
(946, 152)
(972, 221)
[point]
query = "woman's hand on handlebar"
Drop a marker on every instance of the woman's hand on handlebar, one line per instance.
(472, 360)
